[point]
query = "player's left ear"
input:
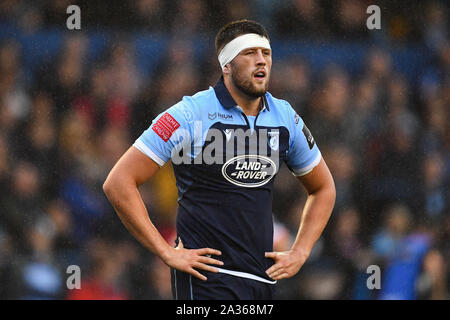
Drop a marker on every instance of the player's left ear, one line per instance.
(227, 69)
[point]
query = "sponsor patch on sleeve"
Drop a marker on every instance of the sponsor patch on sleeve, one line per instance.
(308, 136)
(165, 126)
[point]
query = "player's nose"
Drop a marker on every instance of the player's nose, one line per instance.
(260, 59)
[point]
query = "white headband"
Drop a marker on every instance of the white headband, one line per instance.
(232, 48)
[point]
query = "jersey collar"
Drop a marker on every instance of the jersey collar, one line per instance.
(225, 98)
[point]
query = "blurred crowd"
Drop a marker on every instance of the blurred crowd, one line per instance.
(385, 137)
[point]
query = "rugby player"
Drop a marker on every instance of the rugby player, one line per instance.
(226, 145)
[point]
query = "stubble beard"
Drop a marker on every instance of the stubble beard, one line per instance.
(246, 85)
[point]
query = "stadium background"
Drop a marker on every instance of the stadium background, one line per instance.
(71, 102)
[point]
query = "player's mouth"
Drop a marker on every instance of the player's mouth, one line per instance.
(260, 75)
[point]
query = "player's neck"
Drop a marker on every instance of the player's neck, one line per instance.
(250, 105)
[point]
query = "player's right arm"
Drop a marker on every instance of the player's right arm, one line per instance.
(121, 188)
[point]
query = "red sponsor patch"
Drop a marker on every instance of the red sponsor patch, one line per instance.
(165, 126)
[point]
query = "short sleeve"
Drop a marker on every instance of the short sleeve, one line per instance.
(303, 153)
(166, 132)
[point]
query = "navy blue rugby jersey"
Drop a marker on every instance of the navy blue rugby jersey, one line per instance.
(225, 163)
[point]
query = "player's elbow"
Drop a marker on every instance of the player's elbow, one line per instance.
(118, 185)
(107, 187)
(110, 185)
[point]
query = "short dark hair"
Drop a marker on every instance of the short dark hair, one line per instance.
(236, 28)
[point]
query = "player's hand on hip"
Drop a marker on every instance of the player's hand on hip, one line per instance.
(287, 264)
(188, 260)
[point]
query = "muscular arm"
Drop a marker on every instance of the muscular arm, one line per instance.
(320, 202)
(121, 188)
(317, 211)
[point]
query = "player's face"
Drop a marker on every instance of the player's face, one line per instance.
(250, 71)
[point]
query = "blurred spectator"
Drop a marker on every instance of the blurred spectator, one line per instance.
(122, 72)
(158, 285)
(401, 274)
(282, 239)
(323, 280)
(301, 18)
(341, 162)
(379, 67)
(443, 245)
(346, 237)
(10, 265)
(21, 202)
(387, 241)
(435, 192)
(351, 17)
(98, 106)
(238, 9)
(291, 79)
(327, 116)
(55, 12)
(102, 279)
(402, 249)
(4, 165)
(35, 139)
(113, 87)
(346, 246)
(436, 117)
(363, 118)
(433, 283)
(393, 155)
(150, 15)
(436, 24)
(10, 9)
(64, 80)
(41, 275)
(189, 18)
(65, 247)
(80, 184)
(14, 99)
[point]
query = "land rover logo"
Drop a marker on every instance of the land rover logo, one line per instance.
(249, 171)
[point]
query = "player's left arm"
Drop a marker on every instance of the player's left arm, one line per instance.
(320, 202)
(321, 191)
(306, 163)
